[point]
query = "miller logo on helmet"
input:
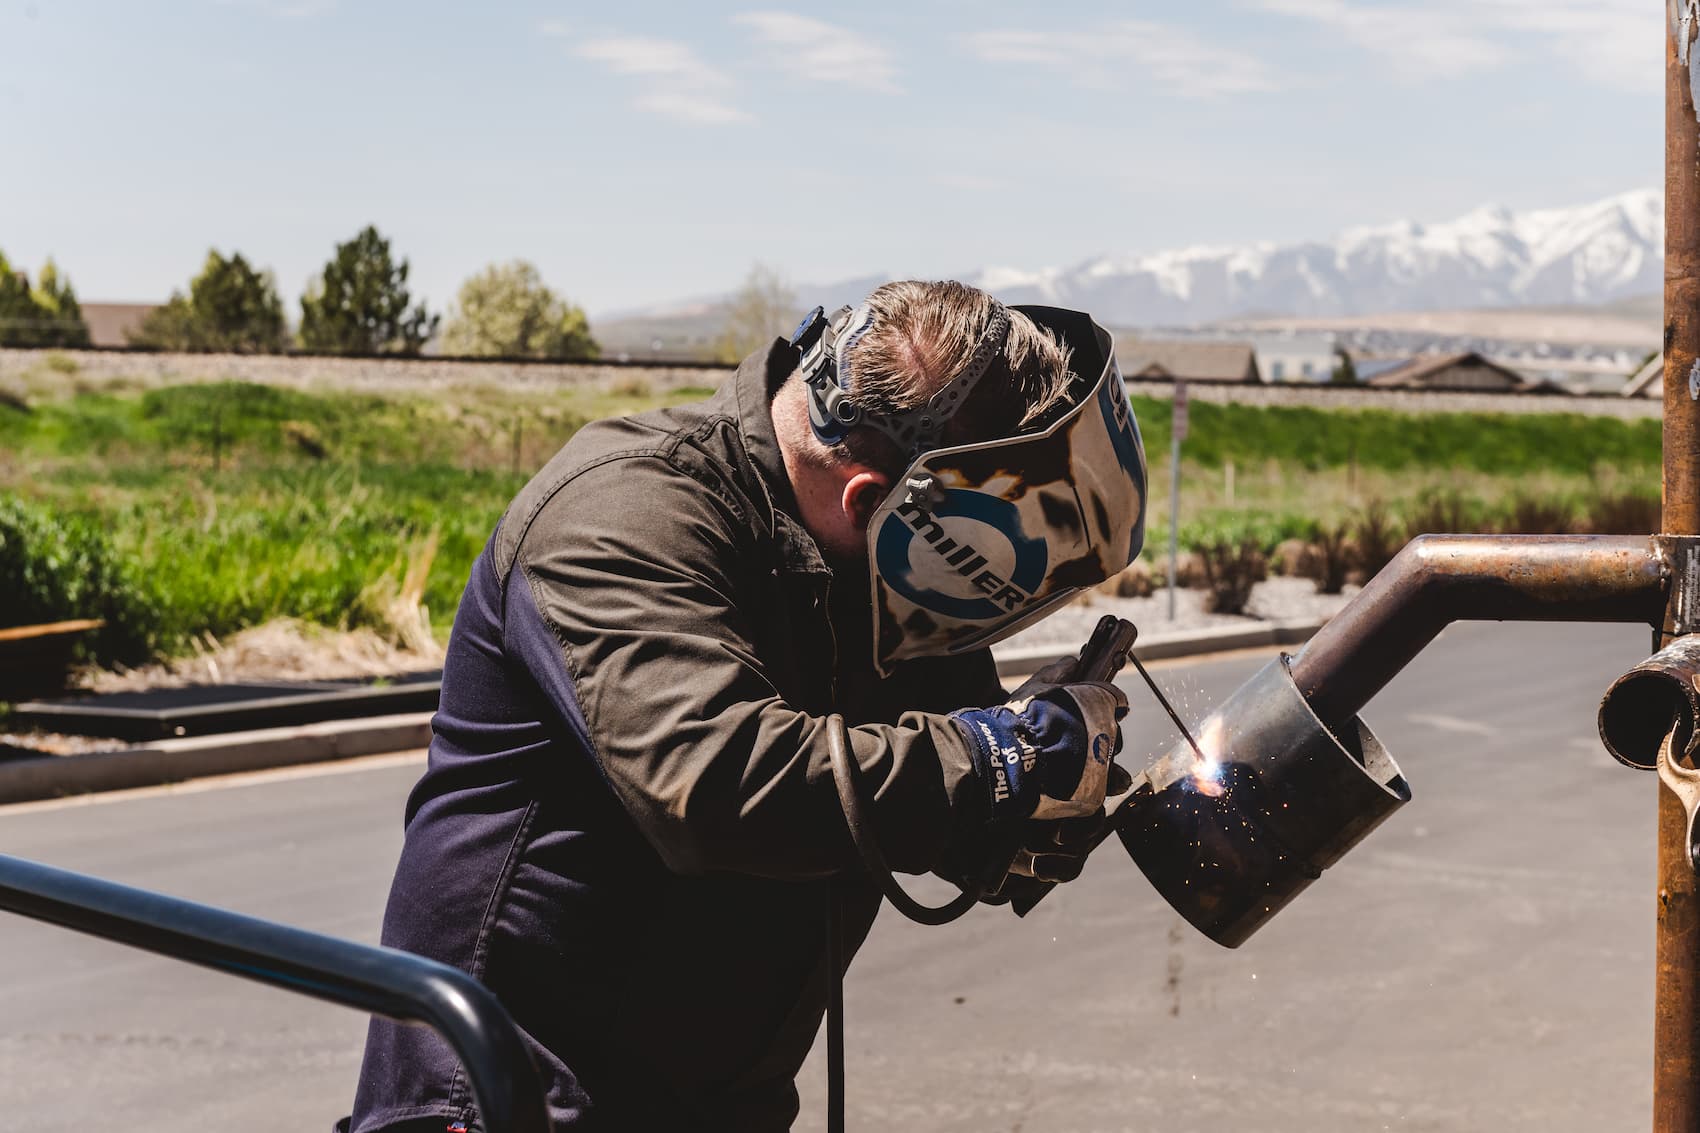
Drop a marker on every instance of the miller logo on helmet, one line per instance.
(966, 558)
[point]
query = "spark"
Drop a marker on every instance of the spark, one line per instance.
(1207, 772)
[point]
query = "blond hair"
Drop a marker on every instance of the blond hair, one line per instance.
(921, 336)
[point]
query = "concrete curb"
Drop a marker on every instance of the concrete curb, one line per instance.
(170, 761)
(1180, 643)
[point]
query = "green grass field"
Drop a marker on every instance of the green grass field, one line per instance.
(179, 510)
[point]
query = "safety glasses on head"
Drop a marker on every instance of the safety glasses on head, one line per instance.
(978, 540)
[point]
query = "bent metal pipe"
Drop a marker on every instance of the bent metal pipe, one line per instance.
(1440, 579)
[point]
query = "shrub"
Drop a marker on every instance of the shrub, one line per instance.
(1531, 515)
(1624, 511)
(1332, 557)
(1231, 568)
(1444, 512)
(55, 568)
(1293, 558)
(1268, 530)
(1134, 581)
(1376, 539)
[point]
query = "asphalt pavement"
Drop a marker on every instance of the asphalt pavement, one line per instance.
(1482, 961)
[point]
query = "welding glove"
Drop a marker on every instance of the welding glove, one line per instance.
(1056, 851)
(1046, 753)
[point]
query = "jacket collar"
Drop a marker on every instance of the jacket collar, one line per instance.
(757, 379)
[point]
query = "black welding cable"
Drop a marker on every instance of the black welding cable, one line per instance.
(835, 1010)
(862, 835)
(1111, 642)
(873, 860)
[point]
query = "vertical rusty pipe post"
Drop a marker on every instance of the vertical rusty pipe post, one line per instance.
(1676, 1028)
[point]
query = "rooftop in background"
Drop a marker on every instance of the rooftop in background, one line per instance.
(110, 324)
(1635, 323)
(1466, 371)
(1648, 381)
(1188, 361)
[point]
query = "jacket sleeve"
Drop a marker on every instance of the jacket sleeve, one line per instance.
(634, 567)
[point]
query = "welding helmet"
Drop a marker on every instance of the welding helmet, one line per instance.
(978, 540)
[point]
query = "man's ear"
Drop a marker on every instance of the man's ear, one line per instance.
(863, 494)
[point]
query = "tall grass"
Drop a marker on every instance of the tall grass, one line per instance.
(178, 510)
(1300, 438)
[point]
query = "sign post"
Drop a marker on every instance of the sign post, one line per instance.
(1177, 434)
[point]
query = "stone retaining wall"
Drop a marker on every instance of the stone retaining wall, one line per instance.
(1403, 401)
(363, 374)
(375, 374)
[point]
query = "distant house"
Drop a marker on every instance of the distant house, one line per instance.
(1188, 361)
(111, 324)
(1294, 356)
(1467, 371)
(1367, 369)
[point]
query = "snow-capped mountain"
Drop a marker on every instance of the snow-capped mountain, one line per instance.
(1491, 257)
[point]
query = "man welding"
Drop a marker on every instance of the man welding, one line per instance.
(628, 828)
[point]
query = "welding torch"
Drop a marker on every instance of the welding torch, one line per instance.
(1105, 653)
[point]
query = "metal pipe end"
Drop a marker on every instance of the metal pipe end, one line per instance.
(1229, 839)
(1647, 703)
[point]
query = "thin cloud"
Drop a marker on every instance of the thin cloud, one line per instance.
(828, 53)
(656, 58)
(677, 83)
(282, 9)
(1171, 57)
(1417, 42)
(691, 108)
(555, 29)
(1612, 43)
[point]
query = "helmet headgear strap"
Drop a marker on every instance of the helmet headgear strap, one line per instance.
(825, 368)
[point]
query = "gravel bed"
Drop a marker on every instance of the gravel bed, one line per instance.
(1277, 599)
(24, 744)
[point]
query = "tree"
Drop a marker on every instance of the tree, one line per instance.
(230, 308)
(764, 308)
(47, 314)
(1345, 373)
(506, 311)
(19, 317)
(359, 303)
(58, 304)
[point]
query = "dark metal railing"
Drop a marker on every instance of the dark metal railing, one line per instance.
(383, 981)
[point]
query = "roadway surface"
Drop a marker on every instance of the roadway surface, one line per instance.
(1483, 961)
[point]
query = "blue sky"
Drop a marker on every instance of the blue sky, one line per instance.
(644, 151)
